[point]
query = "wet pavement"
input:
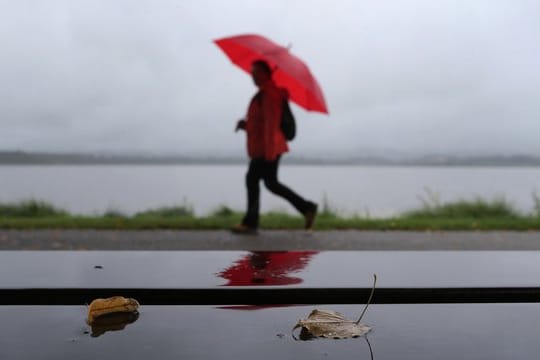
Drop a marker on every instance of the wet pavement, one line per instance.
(268, 277)
(292, 269)
(244, 301)
(266, 240)
(447, 331)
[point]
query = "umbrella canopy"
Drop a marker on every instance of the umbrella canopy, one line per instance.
(289, 71)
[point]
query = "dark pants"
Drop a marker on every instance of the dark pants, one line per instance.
(260, 169)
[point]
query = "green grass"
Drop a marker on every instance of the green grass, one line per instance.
(168, 212)
(475, 215)
(476, 209)
(30, 209)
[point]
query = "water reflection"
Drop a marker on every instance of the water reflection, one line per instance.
(305, 335)
(267, 268)
(112, 322)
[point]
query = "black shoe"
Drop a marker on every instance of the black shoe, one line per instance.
(244, 229)
(310, 216)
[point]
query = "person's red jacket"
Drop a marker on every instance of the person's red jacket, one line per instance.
(263, 126)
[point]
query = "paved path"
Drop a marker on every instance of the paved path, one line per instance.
(266, 240)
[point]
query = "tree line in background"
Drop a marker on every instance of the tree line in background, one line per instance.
(39, 158)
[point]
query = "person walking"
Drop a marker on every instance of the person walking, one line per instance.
(265, 145)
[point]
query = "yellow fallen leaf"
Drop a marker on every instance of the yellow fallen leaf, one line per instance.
(115, 304)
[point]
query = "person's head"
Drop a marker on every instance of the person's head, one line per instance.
(260, 72)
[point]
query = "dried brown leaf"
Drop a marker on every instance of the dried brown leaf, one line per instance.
(332, 324)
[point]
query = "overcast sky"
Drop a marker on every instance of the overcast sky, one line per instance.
(413, 76)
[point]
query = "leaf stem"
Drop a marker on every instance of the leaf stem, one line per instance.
(369, 300)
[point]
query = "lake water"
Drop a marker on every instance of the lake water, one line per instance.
(377, 191)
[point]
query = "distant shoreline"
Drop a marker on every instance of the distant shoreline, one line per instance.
(30, 158)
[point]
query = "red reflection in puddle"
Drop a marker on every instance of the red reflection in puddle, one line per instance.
(267, 268)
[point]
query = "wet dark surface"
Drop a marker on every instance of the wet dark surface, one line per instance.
(211, 269)
(487, 331)
(225, 331)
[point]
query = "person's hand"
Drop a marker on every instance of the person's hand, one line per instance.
(240, 125)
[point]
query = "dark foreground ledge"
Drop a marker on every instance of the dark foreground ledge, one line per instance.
(273, 296)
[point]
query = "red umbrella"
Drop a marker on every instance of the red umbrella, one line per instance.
(289, 71)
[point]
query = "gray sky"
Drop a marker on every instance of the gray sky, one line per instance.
(413, 76)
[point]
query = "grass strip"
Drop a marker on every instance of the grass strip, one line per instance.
(271, 222)
(476, 215)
